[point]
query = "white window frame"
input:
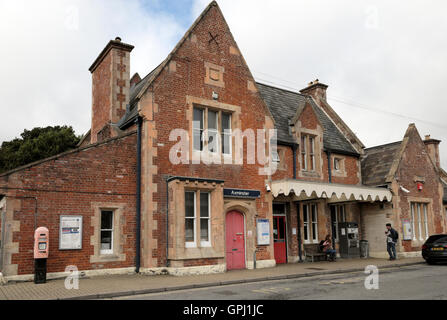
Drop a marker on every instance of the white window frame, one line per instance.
(413, 205)
(306, 224)
(106, 251)
(192, 244)
(312, 152)
(308, 210)
(215, 132)
(425, 220)
(206, 243)
(304, 152)
(314, 222)
(203, 110)
(226, 132)
(419, 221)
(275, 156)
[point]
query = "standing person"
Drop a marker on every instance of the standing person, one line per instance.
(391, 239)
(328, 249)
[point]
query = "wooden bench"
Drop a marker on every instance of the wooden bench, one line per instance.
(313, 250)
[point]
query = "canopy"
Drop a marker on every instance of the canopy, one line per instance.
(334, 192)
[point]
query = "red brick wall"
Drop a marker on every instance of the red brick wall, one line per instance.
(285, 167)
(170, 94)
(416, 162)
(352, 169)
(101, 96)
(69, 184)
(308, 118)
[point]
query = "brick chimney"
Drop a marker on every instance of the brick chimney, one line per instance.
(110, 88)
(315, 89)
(433, 149)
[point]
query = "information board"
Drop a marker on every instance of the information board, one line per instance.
(263, 231)
(70, 232)
(407, 229)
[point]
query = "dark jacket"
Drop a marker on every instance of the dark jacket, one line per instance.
(394, 235)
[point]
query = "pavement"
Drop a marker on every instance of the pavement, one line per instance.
(102, 287)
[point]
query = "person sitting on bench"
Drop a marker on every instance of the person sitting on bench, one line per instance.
(326, 247)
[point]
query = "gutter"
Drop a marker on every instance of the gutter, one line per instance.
(139, 123)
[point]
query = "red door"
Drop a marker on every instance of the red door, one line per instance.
(235, 240)
(279, 238)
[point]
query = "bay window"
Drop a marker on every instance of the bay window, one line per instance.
(205, 219)
(190, 218)
(197, 214)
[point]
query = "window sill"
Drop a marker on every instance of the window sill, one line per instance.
(305, 173)
(190, 245)
(104, 257)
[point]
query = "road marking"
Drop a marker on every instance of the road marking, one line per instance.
(270, 290)
(341, 281)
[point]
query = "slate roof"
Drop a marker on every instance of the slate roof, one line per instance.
(132, 111)
(283, 105)
(377, 161)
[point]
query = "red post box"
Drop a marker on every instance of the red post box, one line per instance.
(41, 248)
(41, 243)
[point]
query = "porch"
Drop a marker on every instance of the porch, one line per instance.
(305, 212)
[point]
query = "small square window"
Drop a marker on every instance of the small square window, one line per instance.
(275, 156)
(337, 164)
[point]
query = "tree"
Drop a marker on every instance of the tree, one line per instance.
(36, 144)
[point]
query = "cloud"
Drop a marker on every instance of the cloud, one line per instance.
(48, 47)
(378, 54)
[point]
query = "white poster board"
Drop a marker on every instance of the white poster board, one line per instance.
(263, 231)
(70, 232)
(407, 229)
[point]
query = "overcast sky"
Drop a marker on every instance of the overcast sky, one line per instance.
(385, 61)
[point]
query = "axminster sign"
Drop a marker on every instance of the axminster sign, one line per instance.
(241, 193)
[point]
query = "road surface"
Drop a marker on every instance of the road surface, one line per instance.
(413, 282)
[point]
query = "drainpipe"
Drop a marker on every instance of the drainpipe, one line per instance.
(298, 215)
(329, 169)
(167, 221)
(138, 203)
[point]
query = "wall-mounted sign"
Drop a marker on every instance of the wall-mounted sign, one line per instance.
(70, 232)
(263, 232)
(241, 193)
(407, 229)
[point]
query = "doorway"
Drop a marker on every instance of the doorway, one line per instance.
(235, 240)
(279, 239)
